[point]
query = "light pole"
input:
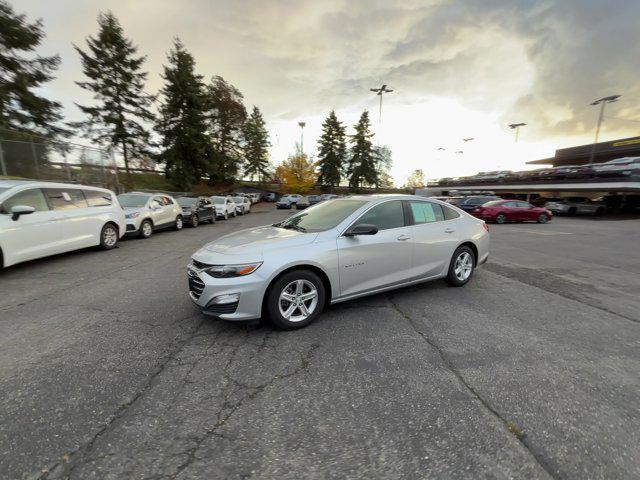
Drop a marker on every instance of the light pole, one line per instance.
(602, 102)
(516, 127)
(379, 92)
(302, 125)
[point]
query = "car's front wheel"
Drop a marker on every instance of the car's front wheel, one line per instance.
(195, 221)
(146, 229)
(461, 268)
(179, 224)
(543, 218)
(109, 236)
(295, 299)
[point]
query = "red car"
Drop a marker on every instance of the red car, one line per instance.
(501, 211)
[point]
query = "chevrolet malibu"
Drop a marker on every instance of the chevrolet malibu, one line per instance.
(337, 250)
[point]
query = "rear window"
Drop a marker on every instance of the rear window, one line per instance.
(65, 199)
(426, 212)
(96, 198)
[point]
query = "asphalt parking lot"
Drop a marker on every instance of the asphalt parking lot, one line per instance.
(530, 371)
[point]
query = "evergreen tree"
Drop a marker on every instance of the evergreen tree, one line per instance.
(226, 117)
(361, 168)
(115, 78)
(332, 150)
(21, 108)
(256, 145)
(186, 149)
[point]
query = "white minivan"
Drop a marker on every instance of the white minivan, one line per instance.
(38, 219)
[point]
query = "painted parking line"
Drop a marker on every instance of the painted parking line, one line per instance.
(541, 232)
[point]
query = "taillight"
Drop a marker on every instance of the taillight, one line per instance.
(485, 226)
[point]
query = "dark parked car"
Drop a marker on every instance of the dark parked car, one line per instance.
(501, 211)
(196, 210)
(469, 203)
(576, 206)
(313, 199)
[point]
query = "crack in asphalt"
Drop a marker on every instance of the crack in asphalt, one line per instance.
(65, 466)
(510, 426)
(228, 407)
(514, 272)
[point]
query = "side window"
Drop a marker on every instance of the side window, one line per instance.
(385, 216)
(156, 202)
(509, 204)
(31, 198)
(167, 201)
(426, 212)
(523, 205)
(450, 213)
(98, 199)
(65, 199)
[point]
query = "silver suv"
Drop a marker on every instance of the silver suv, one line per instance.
(146, 212)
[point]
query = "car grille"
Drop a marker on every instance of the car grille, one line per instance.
(200, 265)
(196, 286)
(222, 308)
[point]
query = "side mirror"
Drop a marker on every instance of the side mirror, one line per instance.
(361, 229)
(18, 210)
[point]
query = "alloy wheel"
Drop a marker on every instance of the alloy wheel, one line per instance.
(463, 266)
(298, 300)
(147, 229)
(109, 236)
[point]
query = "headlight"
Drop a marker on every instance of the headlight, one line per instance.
(132, 215)
(230, 271)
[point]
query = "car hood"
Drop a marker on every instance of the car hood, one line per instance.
(255, 241)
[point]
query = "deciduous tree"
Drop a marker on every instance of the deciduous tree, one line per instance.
(416, 179)
(298, 173)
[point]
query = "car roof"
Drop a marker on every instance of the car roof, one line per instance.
(45, 184)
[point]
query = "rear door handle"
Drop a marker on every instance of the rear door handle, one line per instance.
(403, 238)
(449, 230)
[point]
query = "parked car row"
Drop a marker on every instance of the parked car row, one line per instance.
(621, 167)
(491, 208)
(38, 219)
(300, 202)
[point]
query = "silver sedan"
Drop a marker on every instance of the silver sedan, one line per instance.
(337, 250)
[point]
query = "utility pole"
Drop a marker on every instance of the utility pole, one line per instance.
(302, 125)
(379, 92)
(602, 102)
(516, 127)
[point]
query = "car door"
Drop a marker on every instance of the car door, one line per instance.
(157, 211)
(511, 211)
(33, 235)
(527, 212)
(369, 262)
(73, 216)
(434, 239)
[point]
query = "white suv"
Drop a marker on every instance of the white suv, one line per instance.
(147, 212)
(38, 219)
(225, 206)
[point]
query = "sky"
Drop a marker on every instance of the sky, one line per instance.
(458, 69)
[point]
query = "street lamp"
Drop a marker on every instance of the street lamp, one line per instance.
(516, 127)
(379, 92)
(302, 125)
(602, 102)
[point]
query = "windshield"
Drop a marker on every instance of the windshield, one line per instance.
(186, 201)
(492, 203)
(217, 200)
(322, 216)
(3, 189)
(133, 201)
(238, 199)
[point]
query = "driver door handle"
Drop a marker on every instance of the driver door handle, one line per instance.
(403, 238)
(449, 230)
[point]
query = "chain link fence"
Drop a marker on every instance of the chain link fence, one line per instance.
(39, 159)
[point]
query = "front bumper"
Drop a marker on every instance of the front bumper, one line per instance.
(283, 206)
(133, 225)
(203, 289)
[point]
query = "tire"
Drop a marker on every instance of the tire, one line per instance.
(543, 218)
(226, 215)
(179, 224)
(459, 275)
(108, 236)
(277, 307)
(212, 220)
(235, 214)
(146, 229)
(501, 218)
(194, 221)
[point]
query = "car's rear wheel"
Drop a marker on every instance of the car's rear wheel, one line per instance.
(179, 224)
(195, 221)
(146, 229)
(295, 299)
(109, 236)
(501, 218)
(543, 218)
(226, 215)
(212, 220)
(462, 266)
